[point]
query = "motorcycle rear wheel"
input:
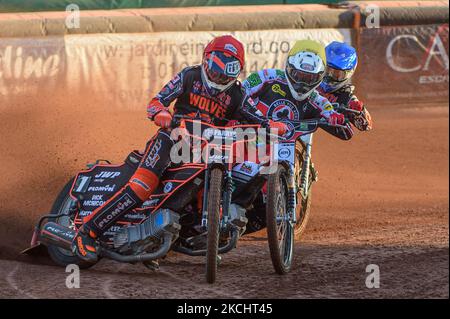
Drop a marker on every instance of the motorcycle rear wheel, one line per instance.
(60, 256)
(214, 205)
(280, 232)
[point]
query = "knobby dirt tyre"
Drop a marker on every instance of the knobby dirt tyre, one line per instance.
(281, 250)
(213, 209)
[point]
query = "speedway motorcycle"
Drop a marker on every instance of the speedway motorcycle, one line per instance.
(288, 200)
(190, 212)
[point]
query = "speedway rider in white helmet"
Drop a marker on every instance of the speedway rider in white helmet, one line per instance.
(291, 93)
(287, 94)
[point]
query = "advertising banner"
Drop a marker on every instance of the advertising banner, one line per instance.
(31, 66)
(125, 70)
(407, 64)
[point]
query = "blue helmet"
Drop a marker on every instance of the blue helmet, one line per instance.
(341, 64)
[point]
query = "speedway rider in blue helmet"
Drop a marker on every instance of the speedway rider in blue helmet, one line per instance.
(342, 60)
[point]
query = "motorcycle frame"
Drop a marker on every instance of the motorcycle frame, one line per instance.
(226, 167)
(306, 139)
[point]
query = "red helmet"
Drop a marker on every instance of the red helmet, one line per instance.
(223, 60)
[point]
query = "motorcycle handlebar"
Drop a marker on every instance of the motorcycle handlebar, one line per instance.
(176, 119)
(343, 109)
(319, 122)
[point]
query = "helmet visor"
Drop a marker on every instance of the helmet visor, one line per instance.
(221, 68)
(216, 76)
(302, 77)
(335, 76)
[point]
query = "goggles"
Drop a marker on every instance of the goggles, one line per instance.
(303, 77)
(335, 75)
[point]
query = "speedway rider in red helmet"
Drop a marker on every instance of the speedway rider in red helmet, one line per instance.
(209, 91)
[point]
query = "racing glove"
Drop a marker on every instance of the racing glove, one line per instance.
(363, 122)
(336, 119)
(163, 119)
(356, 105)
(280, 126)
(154, 107)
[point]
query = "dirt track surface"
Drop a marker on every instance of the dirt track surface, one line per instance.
(381, 199)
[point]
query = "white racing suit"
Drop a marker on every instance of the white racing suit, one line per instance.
(269, 90)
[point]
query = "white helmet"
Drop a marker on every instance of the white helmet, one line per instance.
(305, 68)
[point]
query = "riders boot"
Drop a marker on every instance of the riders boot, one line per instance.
(84, 245)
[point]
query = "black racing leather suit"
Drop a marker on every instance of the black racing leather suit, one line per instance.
(192, 100)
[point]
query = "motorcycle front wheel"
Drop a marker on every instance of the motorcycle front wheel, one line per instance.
(213, 209)
(280, 232)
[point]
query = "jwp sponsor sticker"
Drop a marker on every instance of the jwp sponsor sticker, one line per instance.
(107, 174)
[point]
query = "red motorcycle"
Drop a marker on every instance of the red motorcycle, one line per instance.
(190, 212)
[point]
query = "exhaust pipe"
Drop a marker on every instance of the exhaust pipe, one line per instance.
(161, 252)
(61, 236)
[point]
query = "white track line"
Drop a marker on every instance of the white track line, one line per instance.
(202, 287)
(11, 281)
(106, 286)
